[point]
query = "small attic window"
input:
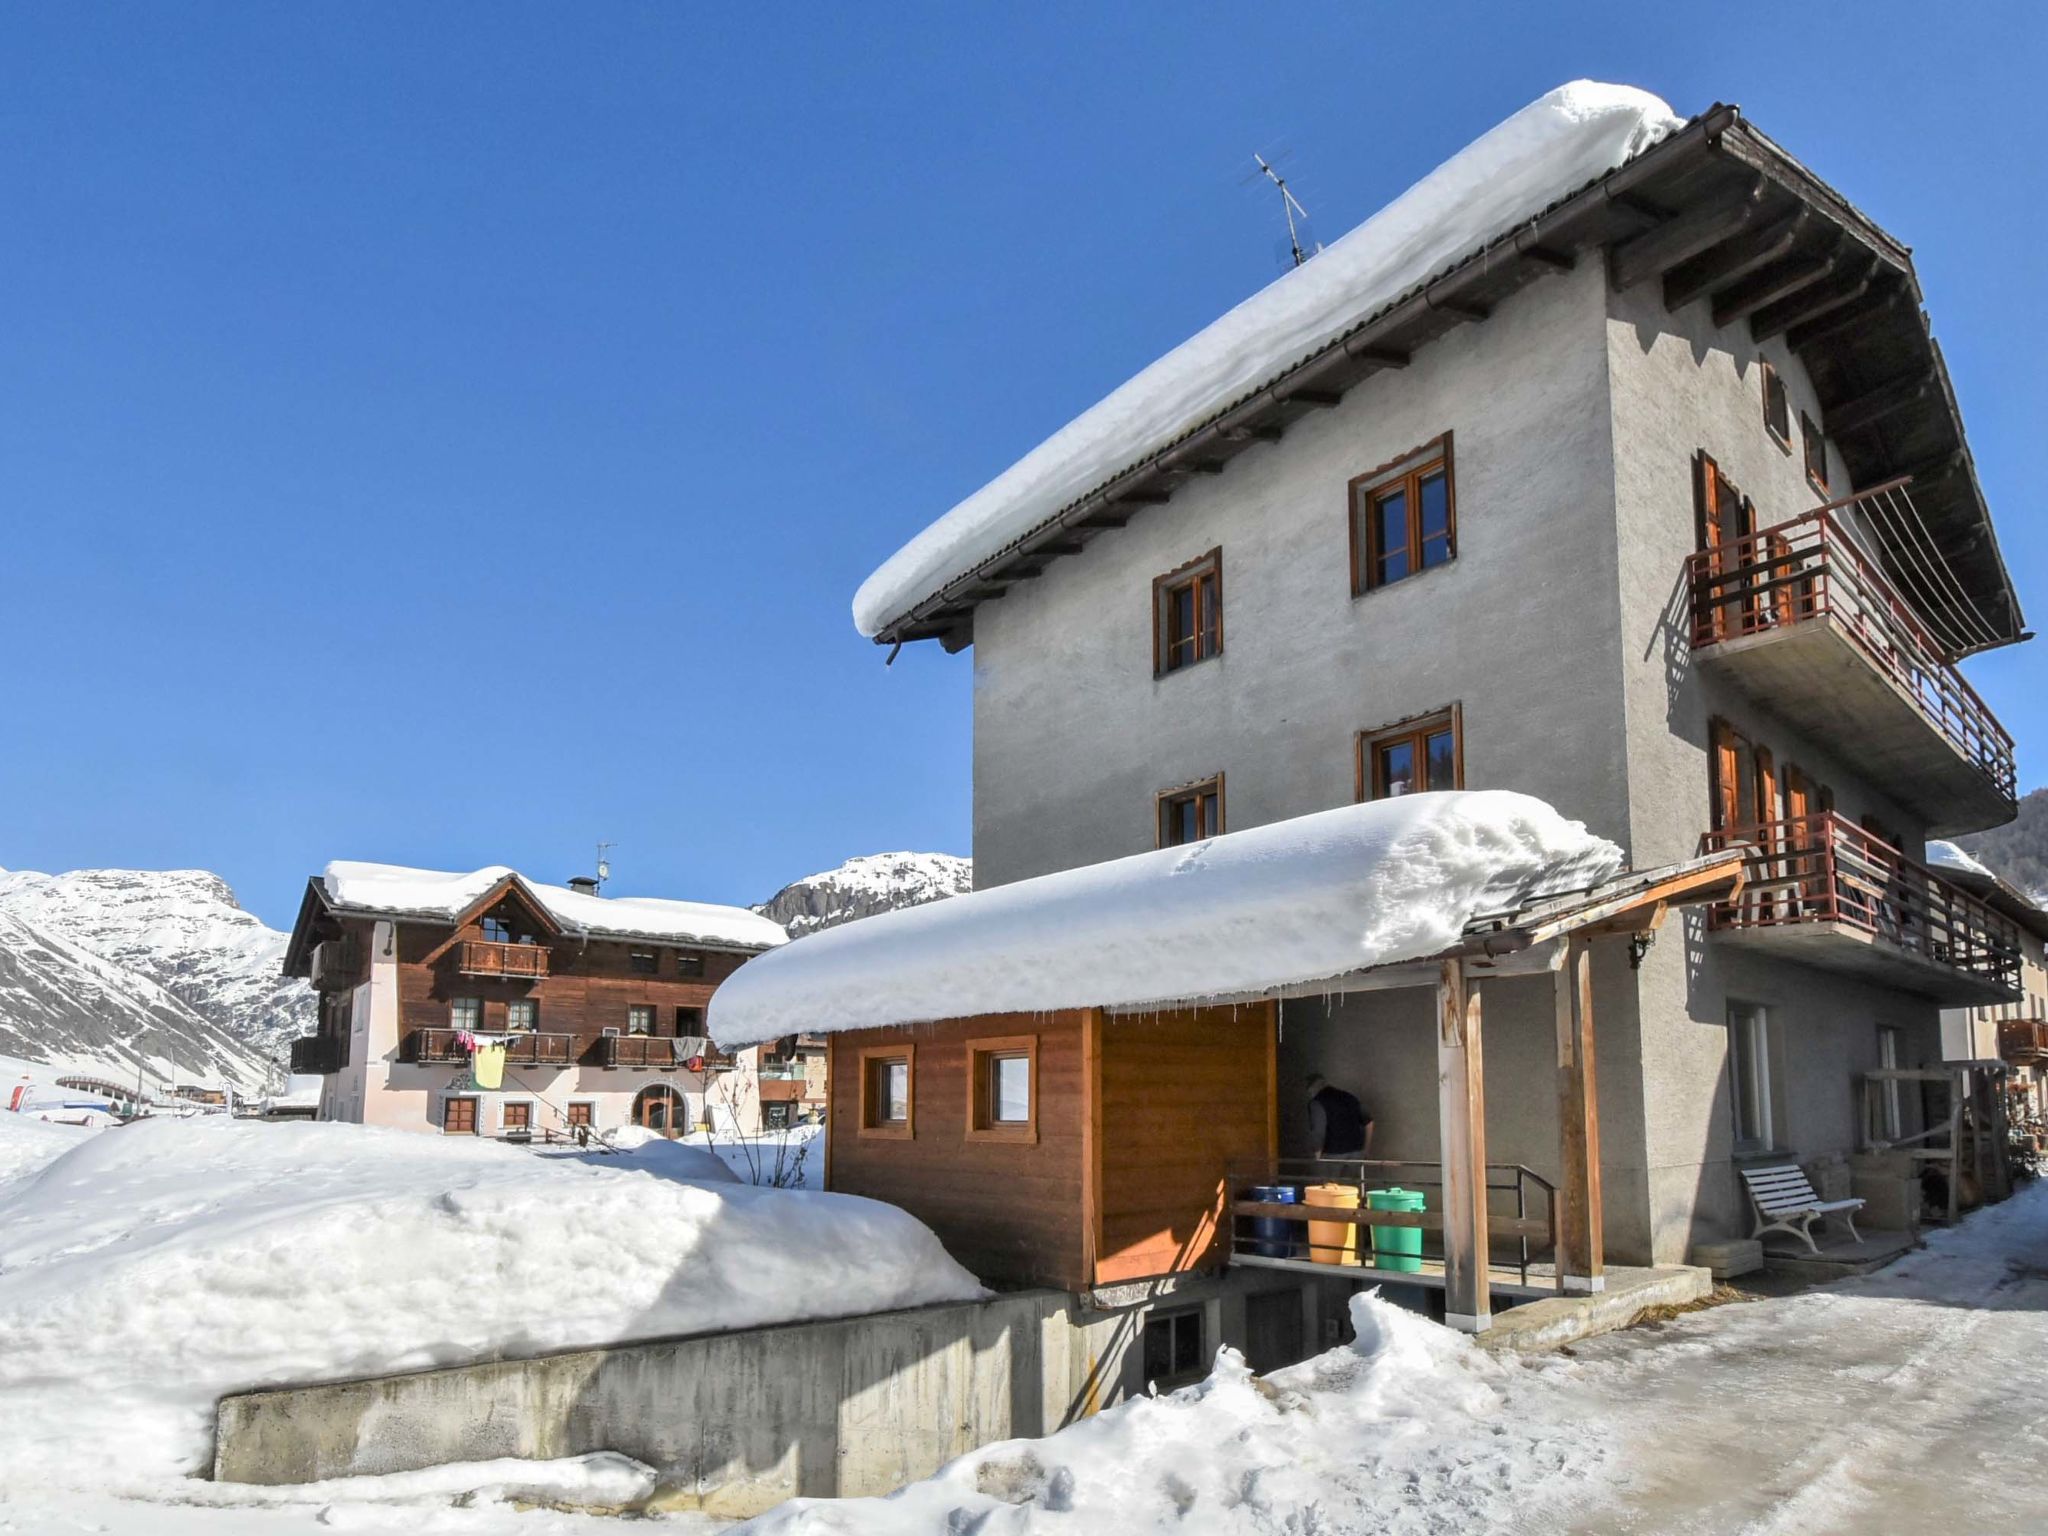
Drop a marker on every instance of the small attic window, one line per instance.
(1777, 408)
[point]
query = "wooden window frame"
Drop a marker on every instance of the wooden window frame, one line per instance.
(448, 1101)
(1771, 377)
(588, 1107)
(696, 1011)
(982, 1056)
(643, 962)
(1203, 570)
(1416, 729)
(522, 1002)
(690, 963)
(1813, 444)
(1168, 1317)
(505, 1109)
(455, 1004)
(653, 1019)
(484, 927)
(1195, 789)
(870, 1057)
(1361, 492)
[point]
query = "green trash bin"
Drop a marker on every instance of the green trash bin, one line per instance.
(1396, 1247)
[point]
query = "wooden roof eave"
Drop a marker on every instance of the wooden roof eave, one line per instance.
(506, 885)
(298, 960)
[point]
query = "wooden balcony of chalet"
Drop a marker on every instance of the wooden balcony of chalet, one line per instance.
(318, 1055)
(1803, 618)
(1822, 890)
(659, 1052)
(485, 957)
(522, 1049)
(2023, 1042)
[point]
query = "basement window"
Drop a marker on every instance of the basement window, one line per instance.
(1403, 518)
(1777, 407)
(1816, 448)
(1187, 614)
(1173, 1347)
(1191, 813)
(1425, 753)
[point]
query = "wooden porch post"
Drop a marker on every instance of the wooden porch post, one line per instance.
(1580, 1241)
(1461, 1120)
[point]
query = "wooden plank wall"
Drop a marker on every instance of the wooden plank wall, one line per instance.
(1010, 1212)
(1184, 1094)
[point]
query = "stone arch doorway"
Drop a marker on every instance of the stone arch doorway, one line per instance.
(661, 1108)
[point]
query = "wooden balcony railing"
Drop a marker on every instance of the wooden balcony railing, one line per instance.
(483, 957)
(521, 1050)
(1813, 568)
(1825, 869)
(657, 1051)
(316, 1055)
(2023, 1042)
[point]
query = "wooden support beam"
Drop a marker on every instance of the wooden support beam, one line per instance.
(1259, 434)
(1549, 256)
(1465, 309)
(1767, 286)
(1581, 1263)
(1810, 305)
(1732, 259)
(1145, 498)
(1379, 357)
(1656, 252)
(1873, 405)
(1113, 515)
(1323, 399)
(1067, 546)
(1207, 466)
(1870, 307)
(1461, 1130)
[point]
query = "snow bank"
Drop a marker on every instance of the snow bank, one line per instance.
(150, 1269)
(1551, 147)
(395, 889)
(1292, 902)
(1401, 1431)
(28, 1141)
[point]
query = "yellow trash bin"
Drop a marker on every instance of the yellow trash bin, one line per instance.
(1332, 1242)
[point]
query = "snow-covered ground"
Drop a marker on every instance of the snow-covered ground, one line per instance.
(131, 1292)
(145, 1271)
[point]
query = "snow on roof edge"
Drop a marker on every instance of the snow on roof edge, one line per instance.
(1279, 905)
(1566, 139)
(395, 890)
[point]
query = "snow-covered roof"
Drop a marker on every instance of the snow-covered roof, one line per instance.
(1948, 857)
(1951, 861)
(392, 890)
(1556, 144)
(1292, 902)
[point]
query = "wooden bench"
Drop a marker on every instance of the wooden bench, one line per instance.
(1785, 1202)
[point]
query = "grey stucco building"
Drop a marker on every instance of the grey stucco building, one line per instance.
(1656, 505)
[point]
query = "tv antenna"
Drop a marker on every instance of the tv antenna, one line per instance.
(1291, 206)
(604, 865)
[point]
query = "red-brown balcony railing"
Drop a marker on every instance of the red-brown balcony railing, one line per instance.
(1825, 869)
(521, 1050)
(1813, 569)
(485, 957)
(2023, 1042)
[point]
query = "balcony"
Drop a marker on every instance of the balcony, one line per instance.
(645, 1051)
(521, 962)
(1820, 889)
(318, 1055)
(432, 1046)
(1803, 619)
(2023, 1042)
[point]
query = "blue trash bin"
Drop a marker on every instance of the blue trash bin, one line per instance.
(1274, 1237)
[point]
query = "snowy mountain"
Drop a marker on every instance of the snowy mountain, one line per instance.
(180, 928)
(2019, 849)
(875, 882)
(63, 1005)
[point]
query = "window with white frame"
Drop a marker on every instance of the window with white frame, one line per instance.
(1890, 1105)
(1749, 1075)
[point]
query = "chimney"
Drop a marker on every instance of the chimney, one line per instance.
(583, 885)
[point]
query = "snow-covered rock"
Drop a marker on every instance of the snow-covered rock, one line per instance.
(184, 930)
(861, 887)
(66, 1007)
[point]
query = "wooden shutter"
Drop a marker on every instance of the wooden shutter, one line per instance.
(1725, 766)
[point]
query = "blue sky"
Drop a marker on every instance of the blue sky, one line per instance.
(452, 434)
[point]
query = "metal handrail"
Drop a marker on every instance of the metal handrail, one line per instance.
(1825, 868)
(1812, 567)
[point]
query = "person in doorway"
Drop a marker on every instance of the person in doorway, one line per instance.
(1338, 1124)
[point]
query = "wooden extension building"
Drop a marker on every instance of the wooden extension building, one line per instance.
(487, 1004)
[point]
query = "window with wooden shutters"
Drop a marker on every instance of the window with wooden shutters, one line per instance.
(1404, 518)
(458, 1116)
(1191, 813)
(579, 1113)
(1187, 614)
(1777, 408)
(1423, 753)
(1733, 766)
(1815, 449)
(516, 1115)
